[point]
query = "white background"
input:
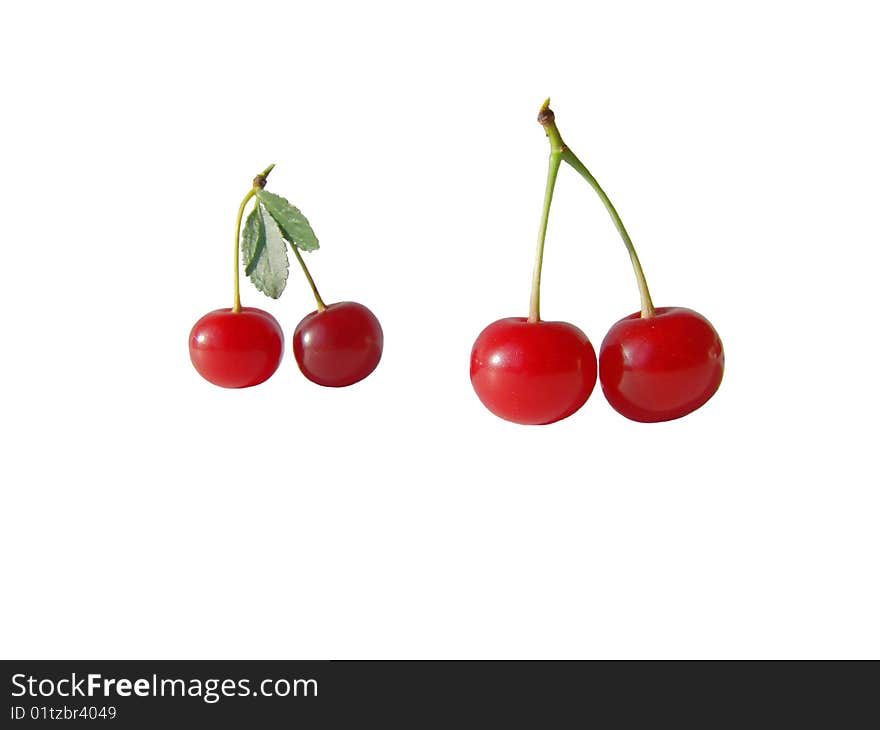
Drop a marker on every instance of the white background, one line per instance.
(146, 513)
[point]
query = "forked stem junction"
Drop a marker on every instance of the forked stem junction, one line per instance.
(560, 152)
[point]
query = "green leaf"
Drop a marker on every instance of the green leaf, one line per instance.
(253, 240)
(264, 254)
(293, 224)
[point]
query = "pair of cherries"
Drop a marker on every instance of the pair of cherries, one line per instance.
(654, 368)
(655, 365)
(335, 346)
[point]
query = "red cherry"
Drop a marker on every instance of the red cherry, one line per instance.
(338, 346)
(236, 349)
(533, 373)
(662, 367)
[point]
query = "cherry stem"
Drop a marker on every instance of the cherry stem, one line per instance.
(259, 184)
(552, 171)
(548, 121)
(302, 263)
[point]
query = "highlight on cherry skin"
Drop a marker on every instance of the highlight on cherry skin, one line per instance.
(533, 373)
(236, 349)
(662, 366)
(338, 345)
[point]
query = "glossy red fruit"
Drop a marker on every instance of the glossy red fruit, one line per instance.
(533, 373)
(662, 367)
(236, 349)
(339, 346)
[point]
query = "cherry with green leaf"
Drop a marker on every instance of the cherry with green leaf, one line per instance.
(336, 345)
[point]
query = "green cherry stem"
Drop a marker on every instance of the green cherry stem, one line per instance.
(259, 184)
(236, 307)
(321, 305)
(557, 146)
(552, 171)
